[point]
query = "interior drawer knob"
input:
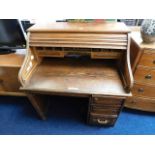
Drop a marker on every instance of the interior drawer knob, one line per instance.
(153, 61)
(141, 90)
(103, 122)
(148, 76)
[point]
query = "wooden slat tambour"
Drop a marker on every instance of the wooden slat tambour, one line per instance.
(79, 42)
(79, 39)
(114, 41)
(77, 35)
(80, 45)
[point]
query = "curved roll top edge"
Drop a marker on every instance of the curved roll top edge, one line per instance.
(127, 71)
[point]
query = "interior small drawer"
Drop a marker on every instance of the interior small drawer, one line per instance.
(46, 53)
(146, 75)
(103, 120)
(104, 55)
(148, 58)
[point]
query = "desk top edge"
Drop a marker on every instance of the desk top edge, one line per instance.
(105, 27)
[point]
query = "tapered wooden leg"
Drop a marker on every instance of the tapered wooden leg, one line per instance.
(37, 102)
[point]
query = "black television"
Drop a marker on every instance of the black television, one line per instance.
(12, 36)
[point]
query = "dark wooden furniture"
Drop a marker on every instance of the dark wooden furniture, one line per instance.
(79, 59)
(9, 68)
(143, 65)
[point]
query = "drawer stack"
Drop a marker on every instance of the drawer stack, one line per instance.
(144, 87)
(104, 111)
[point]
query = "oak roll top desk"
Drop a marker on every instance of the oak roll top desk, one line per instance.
(79, 59)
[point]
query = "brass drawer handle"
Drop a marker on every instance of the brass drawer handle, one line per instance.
(103, 122)
(141, 90)
(148, 76)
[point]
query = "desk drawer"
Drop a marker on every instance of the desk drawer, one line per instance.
(141, 103)
(145, 75)
(148, 59)
(107, 110)
(107, 101)
(103, 120)
(143, 90)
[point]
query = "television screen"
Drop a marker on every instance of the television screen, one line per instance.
(11, 34)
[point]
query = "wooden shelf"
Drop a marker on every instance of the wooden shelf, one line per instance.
(76, 76)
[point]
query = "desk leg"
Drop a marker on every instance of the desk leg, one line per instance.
(37, 102)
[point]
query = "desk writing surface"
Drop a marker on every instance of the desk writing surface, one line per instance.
(70, 75)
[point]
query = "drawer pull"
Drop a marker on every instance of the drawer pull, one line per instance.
(141, 90)
(105, 121)
(96, 99)
(1, 81)
(148, 76)
(133, 101)
(153, 61)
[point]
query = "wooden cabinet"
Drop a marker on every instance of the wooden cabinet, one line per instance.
(9, 68)
(144, 75)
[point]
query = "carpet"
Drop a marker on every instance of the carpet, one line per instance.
(67, 116)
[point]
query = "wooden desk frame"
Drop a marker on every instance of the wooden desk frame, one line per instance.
(63, 39)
